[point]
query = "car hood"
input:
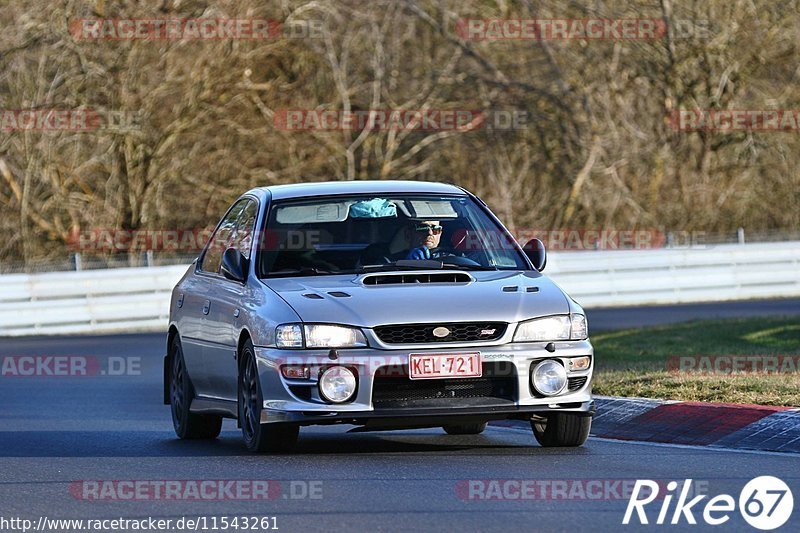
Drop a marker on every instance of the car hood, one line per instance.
(502, 296)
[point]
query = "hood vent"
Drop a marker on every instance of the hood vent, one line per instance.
(312, 296)
(417, 277)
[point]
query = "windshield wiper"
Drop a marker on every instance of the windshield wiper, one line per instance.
(304, 271)
(403, 264)
(422, 264)
(456, 266)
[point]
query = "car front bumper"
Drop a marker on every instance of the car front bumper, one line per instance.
(298, 401)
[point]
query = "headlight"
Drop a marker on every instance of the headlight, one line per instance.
(337, 384)
(552, 328)
(318, 336)
(326, 336)
(549, 377)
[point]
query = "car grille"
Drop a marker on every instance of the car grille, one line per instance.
(423, 333)
(497, 386)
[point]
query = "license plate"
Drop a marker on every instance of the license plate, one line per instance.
(444, 365)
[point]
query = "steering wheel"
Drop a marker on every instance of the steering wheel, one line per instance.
(453, 256)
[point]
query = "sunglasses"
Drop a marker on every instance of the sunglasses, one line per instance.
(425, 228)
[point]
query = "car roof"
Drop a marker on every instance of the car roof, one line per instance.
(327, 188)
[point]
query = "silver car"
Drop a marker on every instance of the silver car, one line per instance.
(382, 304)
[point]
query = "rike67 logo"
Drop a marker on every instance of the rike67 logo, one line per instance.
(765, 503)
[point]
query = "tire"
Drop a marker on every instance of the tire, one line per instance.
(465, 429)
(562, 429)
(187, 425)
(259, 437)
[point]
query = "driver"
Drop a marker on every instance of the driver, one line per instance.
(424, 237)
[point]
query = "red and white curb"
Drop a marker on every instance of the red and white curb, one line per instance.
(751, 427)
(723, 425)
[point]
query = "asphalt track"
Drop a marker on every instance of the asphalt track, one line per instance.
(57, 432)
(631, 317)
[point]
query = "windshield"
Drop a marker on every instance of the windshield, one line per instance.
(352, 234)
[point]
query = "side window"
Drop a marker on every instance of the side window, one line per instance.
(221, 239)
(243, 235)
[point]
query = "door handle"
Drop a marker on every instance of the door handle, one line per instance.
(236, 313)
(206, 307)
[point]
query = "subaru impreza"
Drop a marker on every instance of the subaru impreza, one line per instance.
(380, 304)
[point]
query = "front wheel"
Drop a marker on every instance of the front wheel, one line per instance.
(562, 429)
(259, 437)
(187, 425)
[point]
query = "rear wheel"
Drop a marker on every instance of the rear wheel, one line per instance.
(187, 425)
(259, 437)
(562, 429)
(465, 429)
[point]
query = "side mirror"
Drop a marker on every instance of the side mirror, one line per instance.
(234, 265)
(535, 251)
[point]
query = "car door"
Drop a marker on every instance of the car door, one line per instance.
(190, 299)
(225, 317)
(210, 339)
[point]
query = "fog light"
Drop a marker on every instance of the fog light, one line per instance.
(337, 384)
(296, 371)
(549, 377)
(579, 363)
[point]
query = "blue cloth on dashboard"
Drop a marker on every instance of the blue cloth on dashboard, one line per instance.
(375, 208)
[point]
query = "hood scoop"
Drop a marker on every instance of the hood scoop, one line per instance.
(417, 277)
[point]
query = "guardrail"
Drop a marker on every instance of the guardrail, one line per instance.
(671, 276)
(132, 299)
(89, 301)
